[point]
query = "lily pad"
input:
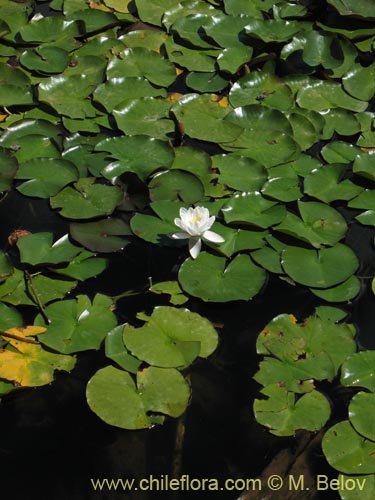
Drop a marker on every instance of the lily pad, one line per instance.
(358, 370)
(327, 184)
(47, 176)
(114, 397)
(283, 415)
(115, 349)
(171, 338)
(361, 409)
(38, 249)
(176, 185)
(213, 280)
(139, 154)
(319, 268)
(319, 224)
(101, 236)
(77, 325)
(87, 200)
(203, 118)
(253, 208)
(348, 451)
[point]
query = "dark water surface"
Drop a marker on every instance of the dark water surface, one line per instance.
(52, 445)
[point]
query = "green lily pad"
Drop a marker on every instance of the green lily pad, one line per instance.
(282, 188)
(8, 169)
(115, 90)
(68, 95)
(344, 292)
(16, 292)
(364, 165)
(264, 88)
(347, 451)
(10, 317)
(236, 240)
(203, 118)
(319, 268)
(206, 82)
(139, 154)
(364, 483)
(101, 236)
(38, 249)
(47, 176)
(232, 58)
(320, 95)
(77, 325)
(87, 200)
(26, 127)
(211, 279)
(240, 173)
(283, 415)
(171, 338)
(112, 394)
(176, 185)
(253, 208)
(115, 349)
(358, 370)
(153, 229)
(147, 116)
(48, 29)
(361, 409)
(84, 266)
(360, 8)
(171, 288)
(339, 152)
(141, 62)
(45, 59)
(312, 350)
(191, 59)
(319, 224)
(326, 184)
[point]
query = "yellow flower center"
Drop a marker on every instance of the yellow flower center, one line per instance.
(195, 219)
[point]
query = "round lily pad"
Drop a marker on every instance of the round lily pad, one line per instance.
(213, 280)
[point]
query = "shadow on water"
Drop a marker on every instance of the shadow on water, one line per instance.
(53, 445)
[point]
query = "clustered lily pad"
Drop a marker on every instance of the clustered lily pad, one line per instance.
(120, 114)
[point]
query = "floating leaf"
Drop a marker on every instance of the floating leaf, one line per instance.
(253, 208)
(171, 288)
(344, 292)
(114, 397)
(139, 154)
(37, 249)
(319, 224)
(84, 266)
(30, 365)
(47, 176)
(319, 268)
(141, 62)
(176, 185)
(358, 370)
(202, 118)
(259, 87)
(115, 349)
(8, 169)
(240, 173)
(211, 279)
(283, 415)
(326, 184)
(361, 409)
(101, 236)
(347, 451)
(77, 325)
(171, 338)
(87, 200)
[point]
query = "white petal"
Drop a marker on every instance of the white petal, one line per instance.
(183, 212)
(195, 247)
(179, 236)
(214, 237)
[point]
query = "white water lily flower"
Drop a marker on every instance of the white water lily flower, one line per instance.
(195, 224)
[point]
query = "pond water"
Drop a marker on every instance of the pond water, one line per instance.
(53, 444)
